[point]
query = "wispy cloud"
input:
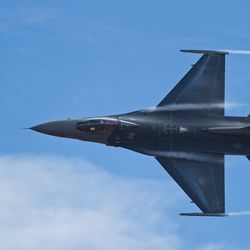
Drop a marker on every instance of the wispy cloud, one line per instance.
(242, 213)
(214, 246)
(37, 16)
(51, 202)
(109, 29)
(3, 27)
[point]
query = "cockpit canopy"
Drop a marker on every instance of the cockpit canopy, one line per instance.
(103, 125)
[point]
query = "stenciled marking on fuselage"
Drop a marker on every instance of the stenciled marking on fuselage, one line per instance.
(237, 145)
(131, 136)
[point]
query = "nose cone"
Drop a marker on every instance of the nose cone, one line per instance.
(56, 128)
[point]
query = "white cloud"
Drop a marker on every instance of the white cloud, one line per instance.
(214, 246)
(49, 202)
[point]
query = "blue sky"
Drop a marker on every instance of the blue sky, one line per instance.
(63, 59)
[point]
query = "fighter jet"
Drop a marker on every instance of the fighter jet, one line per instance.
(187, 132)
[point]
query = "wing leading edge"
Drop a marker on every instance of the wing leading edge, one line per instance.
(203, 182)
(203, 84)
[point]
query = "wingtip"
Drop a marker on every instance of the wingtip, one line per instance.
(216, 52)
(205, 214)
(199, 51)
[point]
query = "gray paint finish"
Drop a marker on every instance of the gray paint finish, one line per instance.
(186, 132)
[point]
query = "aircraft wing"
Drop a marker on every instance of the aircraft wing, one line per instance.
(203, 84)
(203, 182)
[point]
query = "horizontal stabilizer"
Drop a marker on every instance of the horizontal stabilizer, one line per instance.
(216, 52)
(204, 214)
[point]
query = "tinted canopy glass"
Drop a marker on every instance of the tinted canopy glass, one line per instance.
(99, 125)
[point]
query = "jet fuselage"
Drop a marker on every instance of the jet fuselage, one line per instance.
(187, 132)
(160, 132)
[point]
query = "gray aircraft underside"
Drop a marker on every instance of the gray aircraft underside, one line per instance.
(186, 132)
